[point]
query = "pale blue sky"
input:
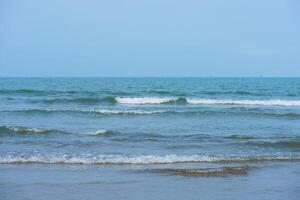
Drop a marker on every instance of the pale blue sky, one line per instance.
(149, 38)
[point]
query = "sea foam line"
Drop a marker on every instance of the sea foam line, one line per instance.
(128, 112)
(275, 102)
(134, 159)
(97, 111)
(195, 101)
(154, 112)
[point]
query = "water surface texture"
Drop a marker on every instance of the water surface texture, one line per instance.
(196, 137)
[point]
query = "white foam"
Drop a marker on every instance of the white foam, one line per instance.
(144, 100)
(104, 159)
(133, 159)
(275, 102)
(31, 130)
(98, 132)
(199, 101)
(130, 112)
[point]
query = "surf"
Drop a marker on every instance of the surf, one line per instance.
(200, 101)
(136, 159)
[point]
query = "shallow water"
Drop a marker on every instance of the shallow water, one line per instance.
(139, 132)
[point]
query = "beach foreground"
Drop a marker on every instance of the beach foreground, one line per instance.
(40, 181)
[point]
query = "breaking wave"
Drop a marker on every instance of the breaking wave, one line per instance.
(94, 99)
(135, 159)
(95, 111)
(24, 130)
(130, 112)
(275, 102)
(195, 101)
(144, 100)
(169, 111)
(98, 132)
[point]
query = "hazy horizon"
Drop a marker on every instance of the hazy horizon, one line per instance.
(150, 77)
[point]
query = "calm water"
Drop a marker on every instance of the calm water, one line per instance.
(117, 136)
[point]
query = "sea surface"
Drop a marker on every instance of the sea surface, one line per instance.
(149, 138)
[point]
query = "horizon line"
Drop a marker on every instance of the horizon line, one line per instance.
(149, 76)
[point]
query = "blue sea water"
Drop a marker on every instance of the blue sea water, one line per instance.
(151, 128)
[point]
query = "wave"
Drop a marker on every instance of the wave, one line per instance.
(207, 172)
(290, 144)
(19, 130)
(237, 92)
(66, 100)
(36, 92)
(98, 132)
(79, 100)
(95, 111)
(188, 141)
(240, 137)
(275, 102)
(259, 140)
(148, 92)
(292, 141)
(69, 100)
(144, 100)
(164, 92)
(210, 92)
(130, 112)
(195, 101)
(25, 131)
(135, 159)
(25, 92)
(163, 100)
(204, 111)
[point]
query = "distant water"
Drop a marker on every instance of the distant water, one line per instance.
(178, 124)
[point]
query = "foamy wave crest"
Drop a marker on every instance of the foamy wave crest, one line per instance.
(96, 111)
(134, 159)
(128, 112)
(144, 100)
(197, 101)
(98, 132)
(275, 102)
(103, 159)
(21, 130)
(25, 130)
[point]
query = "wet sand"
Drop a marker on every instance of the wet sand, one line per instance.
(279, 180)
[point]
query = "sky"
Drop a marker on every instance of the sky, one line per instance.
(149, 38)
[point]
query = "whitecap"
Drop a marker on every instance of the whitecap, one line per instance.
(98, 132)
(199, 101)
(274, 102)
(144, 100)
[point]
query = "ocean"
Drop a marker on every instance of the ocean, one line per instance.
(149, 138)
